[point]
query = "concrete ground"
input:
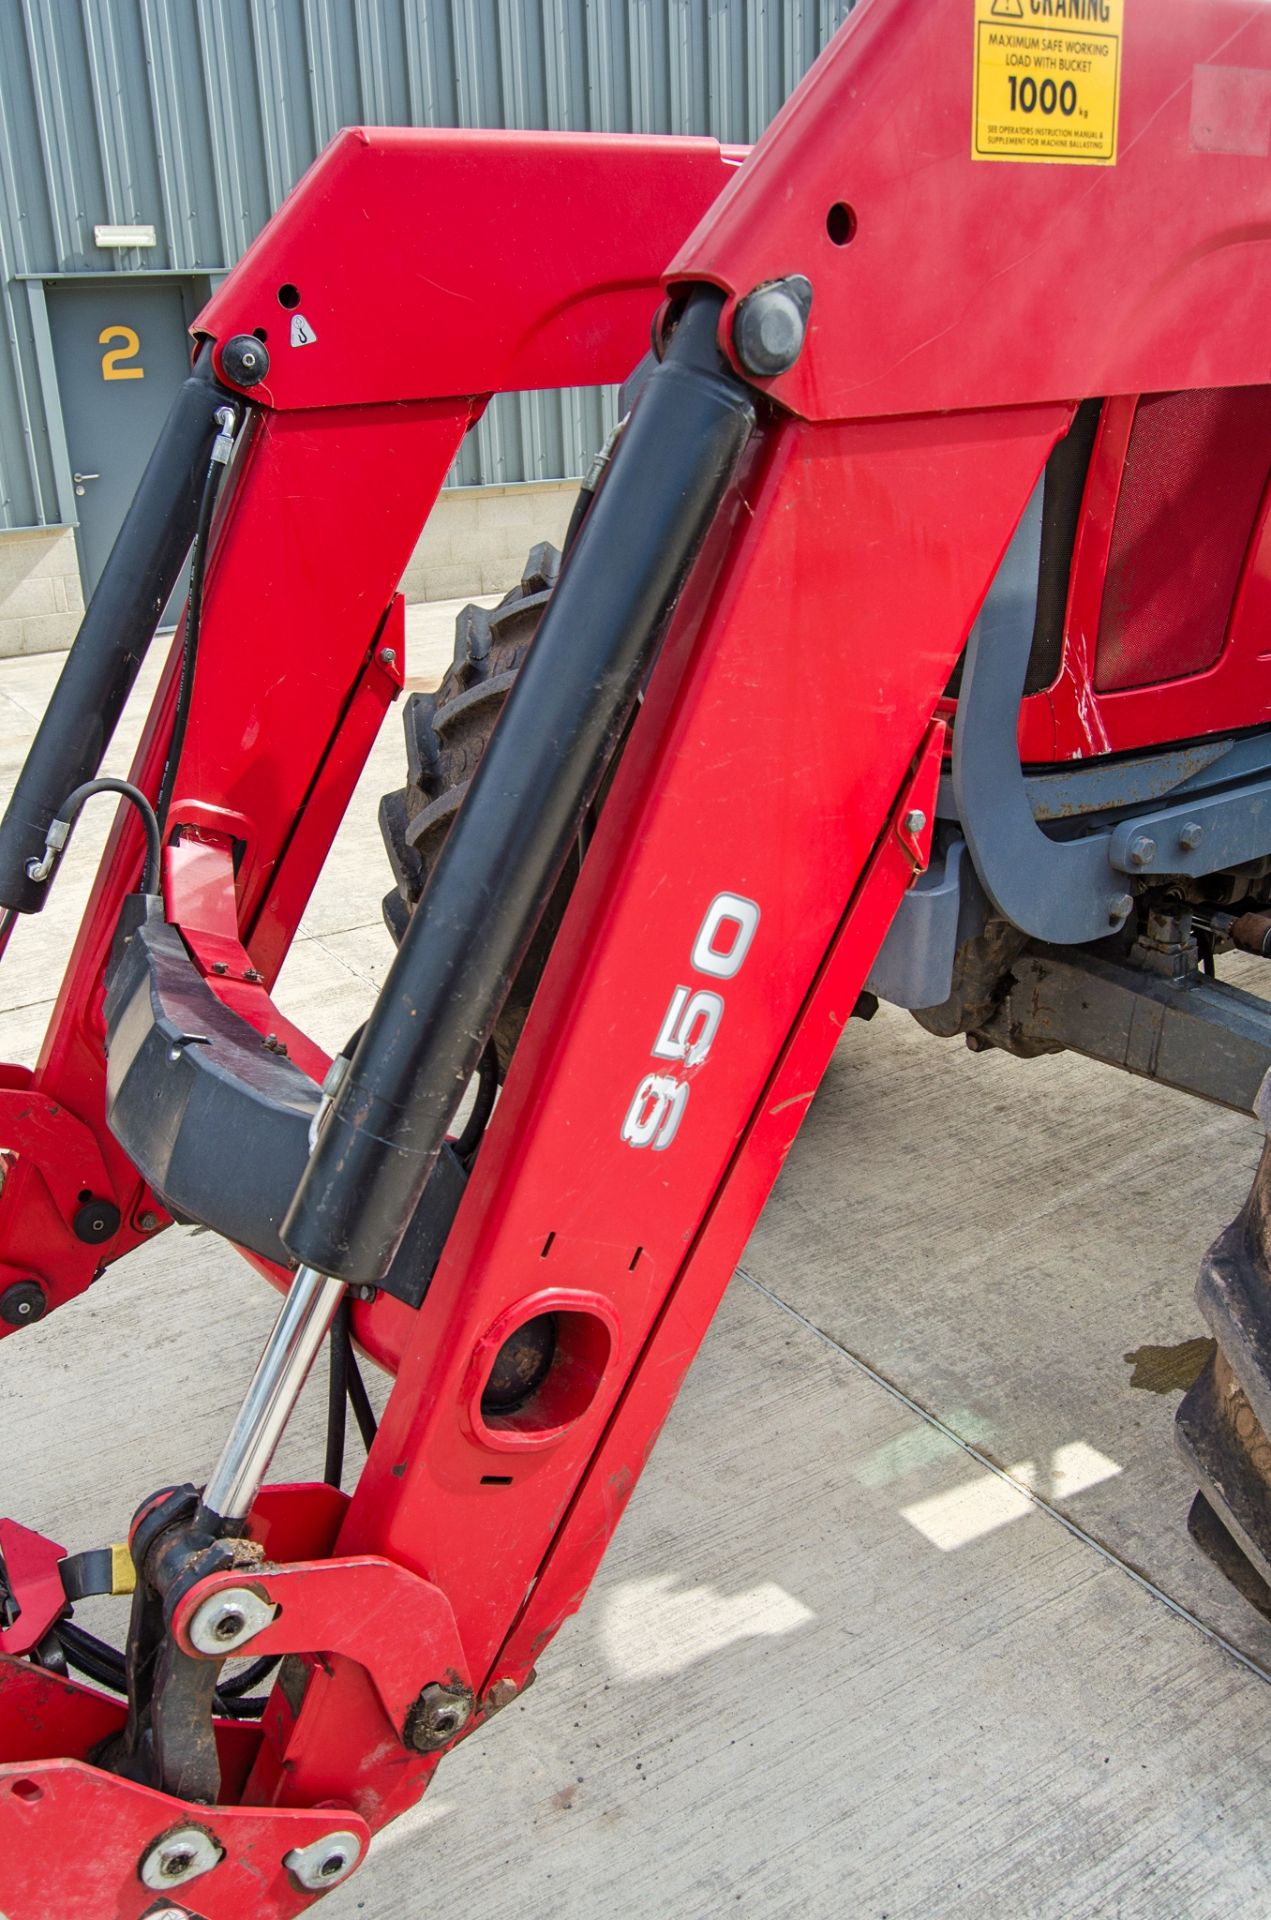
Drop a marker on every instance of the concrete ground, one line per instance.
(902, 1620)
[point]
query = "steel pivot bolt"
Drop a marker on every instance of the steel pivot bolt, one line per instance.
(178, 1856)
(324, 1863)
(1191, 835)
(229, 1618)
(437, 1716)
(914, 821)
(1142, 850)
(1120, 907)
(770, 325)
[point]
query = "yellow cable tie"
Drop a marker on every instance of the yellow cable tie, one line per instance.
(123, 1575)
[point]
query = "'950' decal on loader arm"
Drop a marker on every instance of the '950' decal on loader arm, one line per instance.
(691, 1022)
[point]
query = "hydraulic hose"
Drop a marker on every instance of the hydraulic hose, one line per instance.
(61, 827)
(99, 671)
(227, 421)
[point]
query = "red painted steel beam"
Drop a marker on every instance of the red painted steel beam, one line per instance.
(416, 259)
(978, 283)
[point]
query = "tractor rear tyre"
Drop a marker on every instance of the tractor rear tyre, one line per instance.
(1224, 1419)
(446, 734)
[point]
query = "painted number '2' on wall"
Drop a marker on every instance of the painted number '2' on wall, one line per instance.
(113, 363)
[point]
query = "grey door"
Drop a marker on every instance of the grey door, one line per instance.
(122, 351)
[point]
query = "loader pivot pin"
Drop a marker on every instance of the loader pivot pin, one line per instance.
(245, 360)
(23, 1303)
(770, 325)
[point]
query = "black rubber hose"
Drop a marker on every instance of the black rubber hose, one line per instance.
(69, 812)
(483, 1106)
(576, 518)
(99, 671)
(360, 1401)
(190, 639)
(250, 1677)
(105, 1666)
(337, 1394)
(92, 1657)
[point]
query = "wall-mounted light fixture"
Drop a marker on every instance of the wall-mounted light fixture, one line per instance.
(124, 236)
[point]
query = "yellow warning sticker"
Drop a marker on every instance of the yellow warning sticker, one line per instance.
(1047, 80)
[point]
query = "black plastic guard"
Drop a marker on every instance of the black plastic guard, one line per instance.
(217, 1122)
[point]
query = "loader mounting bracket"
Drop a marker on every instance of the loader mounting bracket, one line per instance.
(217, 1121)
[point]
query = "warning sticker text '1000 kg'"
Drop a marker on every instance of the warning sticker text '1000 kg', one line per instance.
(1047, 80)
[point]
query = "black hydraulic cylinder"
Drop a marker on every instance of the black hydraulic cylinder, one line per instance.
(523, 810)
(140, 572)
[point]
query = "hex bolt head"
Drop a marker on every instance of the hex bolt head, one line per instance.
(439, 1714)
(1120, 907)
(227, 1620)
(388, 656)
(179, 1855)
(23, 1303)
(1190, 835)
(770, 324)
(324, 1863)
(914, 821)
(1142, 850)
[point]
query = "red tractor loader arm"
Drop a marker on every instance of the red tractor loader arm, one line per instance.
(895, 348)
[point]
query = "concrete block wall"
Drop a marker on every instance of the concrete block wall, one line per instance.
(41, 600)
(476, 541)
(477, 538)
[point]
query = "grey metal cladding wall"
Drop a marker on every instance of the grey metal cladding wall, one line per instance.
(199, 115)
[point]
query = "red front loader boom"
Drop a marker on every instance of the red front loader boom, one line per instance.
(910, 354)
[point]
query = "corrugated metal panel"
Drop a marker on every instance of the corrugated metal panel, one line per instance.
(199, 115)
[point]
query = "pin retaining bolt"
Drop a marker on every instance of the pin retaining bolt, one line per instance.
(178, 1856)
(438, 1715)
(324, 1863)
(227, 1620)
